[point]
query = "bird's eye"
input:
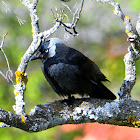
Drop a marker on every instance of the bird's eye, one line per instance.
(46, 51)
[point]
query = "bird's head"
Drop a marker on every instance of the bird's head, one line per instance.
(47, 49)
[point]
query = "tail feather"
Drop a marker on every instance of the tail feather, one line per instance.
(102, 92)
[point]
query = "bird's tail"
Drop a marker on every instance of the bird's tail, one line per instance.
(102, 92)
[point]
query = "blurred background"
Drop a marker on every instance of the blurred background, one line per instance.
(101, 37)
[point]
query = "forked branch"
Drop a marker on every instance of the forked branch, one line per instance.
(68, 26)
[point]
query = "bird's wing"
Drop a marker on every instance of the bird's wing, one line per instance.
(63, 77)
(87, 67)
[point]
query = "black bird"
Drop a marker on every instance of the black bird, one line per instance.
(70, 72)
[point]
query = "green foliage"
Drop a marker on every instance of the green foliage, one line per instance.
(6, 96)
(16, 134)
(114, 69)
(135, 5)
(71, 135)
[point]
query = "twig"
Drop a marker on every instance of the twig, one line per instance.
(4, 52)
(8, 8)
(67, 7)
(79, 13)
(2, 43)
(69, 26)
(9, 73)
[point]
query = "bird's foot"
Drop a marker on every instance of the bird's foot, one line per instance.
(69, 100)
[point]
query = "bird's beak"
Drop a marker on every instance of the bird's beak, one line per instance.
(36, 56)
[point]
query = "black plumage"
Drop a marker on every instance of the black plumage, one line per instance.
(70, 72)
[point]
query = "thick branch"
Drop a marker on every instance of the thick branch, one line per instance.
(46, 116)
(21, 76)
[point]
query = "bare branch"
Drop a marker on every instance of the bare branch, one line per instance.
(79, 14)
(52, 30)
(42, 117)
(21, 76)
(9, 73)
(4, 52)
(3, 75)
(68, 26)
(67, 7)
(8, 8)
(133, 54)
(2, 43)
(21, 21)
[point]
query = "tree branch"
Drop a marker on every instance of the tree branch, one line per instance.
(42, 117)
(9, 74)
(8, 8)
(69, 26)
(38, 38)
(131, 56)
